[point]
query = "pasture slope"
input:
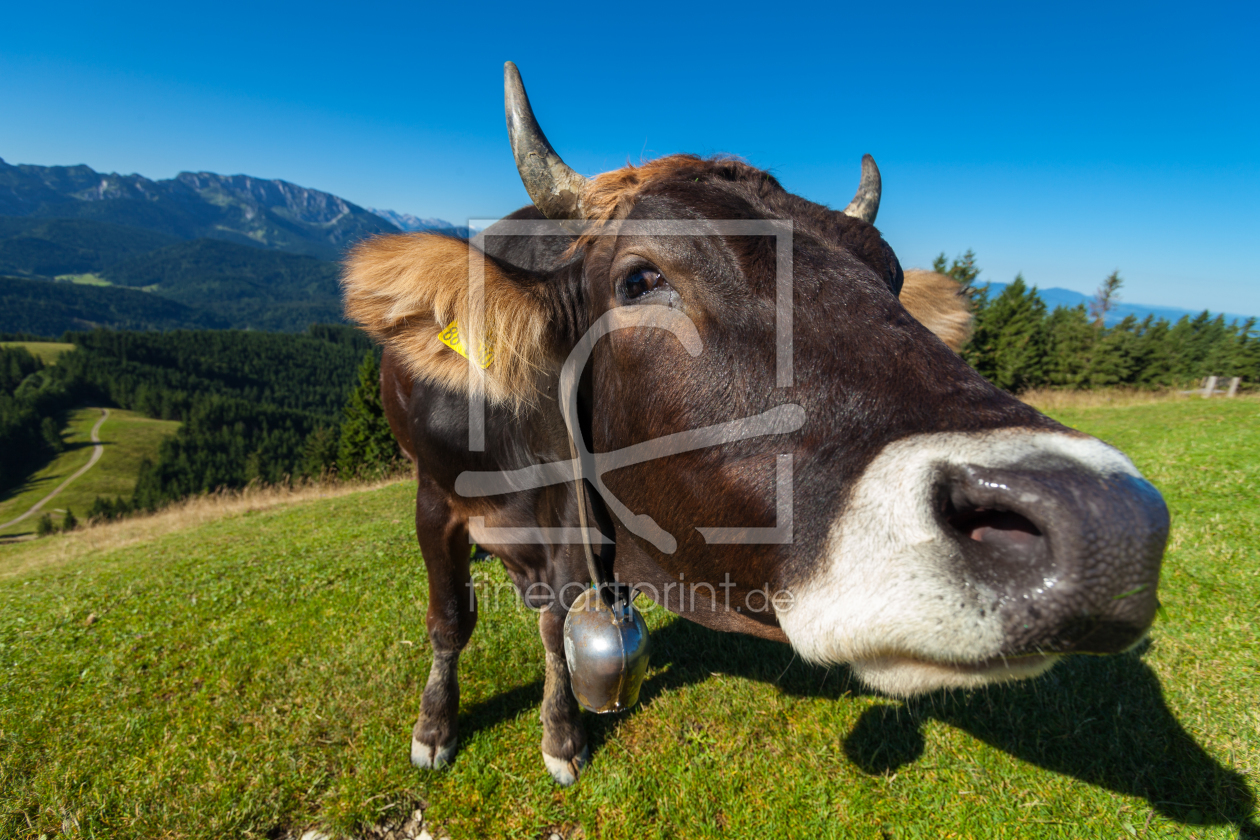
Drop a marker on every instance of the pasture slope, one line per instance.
(46, 351)
(126, 438)
(98, 448)
(259, 674)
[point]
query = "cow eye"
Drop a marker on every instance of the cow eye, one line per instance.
(641, 282)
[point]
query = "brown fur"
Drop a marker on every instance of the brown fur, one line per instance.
(938, 303)
(612, 194)
(406, 289)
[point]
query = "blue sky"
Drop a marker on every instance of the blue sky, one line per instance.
(1061, 140)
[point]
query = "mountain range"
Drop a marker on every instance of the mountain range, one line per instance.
(206, 250)
(222, 250)
(237, 208)
(410, 223)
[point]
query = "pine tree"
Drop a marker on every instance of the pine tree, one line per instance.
(1115, 358)
(1192, 340)
(70, 521)
(52, 435)
(16, 363)
(964, 269)
(105, 509)
(1227, 356)
(45, 526)
(1008, 345)
(1070, 343)
(1249, 351)
(1154, 354)
(367, 445)
(1106, 298)
(320, 450)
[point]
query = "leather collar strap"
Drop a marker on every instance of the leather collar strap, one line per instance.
(616, 595)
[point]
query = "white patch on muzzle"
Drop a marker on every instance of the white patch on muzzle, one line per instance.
(888, 596)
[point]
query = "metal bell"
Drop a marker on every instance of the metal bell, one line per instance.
(607, 648)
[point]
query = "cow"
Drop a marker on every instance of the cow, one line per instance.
(940, 532)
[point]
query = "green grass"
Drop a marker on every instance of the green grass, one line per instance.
(46, 351)
(85, 279)
(127, 437)
(261, 674)
(77, 437)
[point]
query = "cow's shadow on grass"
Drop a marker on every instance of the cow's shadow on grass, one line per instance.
(1102, 720)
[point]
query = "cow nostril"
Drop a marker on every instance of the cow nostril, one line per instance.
(995, 533)
(997, 528)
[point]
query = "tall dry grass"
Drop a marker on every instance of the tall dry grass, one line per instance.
(1052, 399)
(18, 556)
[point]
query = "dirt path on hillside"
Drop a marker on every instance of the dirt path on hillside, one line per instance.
(97, 451)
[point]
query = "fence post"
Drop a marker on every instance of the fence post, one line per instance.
(1209, 387)
(1233, 386)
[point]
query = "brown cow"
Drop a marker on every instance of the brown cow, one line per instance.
(849, 485)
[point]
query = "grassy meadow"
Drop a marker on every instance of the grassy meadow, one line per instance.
(84, 279)
(127, 437)
(46, 351)
(256, 672)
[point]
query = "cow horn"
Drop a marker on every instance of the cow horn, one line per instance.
(555, 189)
(865, 203)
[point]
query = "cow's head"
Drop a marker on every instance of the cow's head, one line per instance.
(940, 533)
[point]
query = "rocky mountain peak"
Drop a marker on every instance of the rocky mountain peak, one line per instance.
(264, 212)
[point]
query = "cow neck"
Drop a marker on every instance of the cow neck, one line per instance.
(603, 577)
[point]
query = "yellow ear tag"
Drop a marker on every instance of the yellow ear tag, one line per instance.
(451, 338)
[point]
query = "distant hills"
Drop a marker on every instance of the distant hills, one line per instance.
(43, 247)
(1055, 297)
(410, 223)
(102, 274)
(246, 287)
(40, 307)
(199, 250)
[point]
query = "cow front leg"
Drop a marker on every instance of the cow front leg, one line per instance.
(564, 740)
(450, 620)
(435, 736)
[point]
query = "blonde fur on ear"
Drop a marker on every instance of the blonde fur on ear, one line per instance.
(938, 303)
(406, 289)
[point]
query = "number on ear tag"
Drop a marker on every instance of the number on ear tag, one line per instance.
(451, 338)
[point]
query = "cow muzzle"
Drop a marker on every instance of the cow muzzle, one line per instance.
(962, 559)
(1071, 559)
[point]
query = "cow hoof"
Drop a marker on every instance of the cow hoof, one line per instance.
(430, 757)
(566, 772)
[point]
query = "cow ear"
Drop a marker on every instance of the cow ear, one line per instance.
(938, 303)
(411, 293)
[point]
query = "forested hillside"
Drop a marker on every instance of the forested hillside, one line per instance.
(1019, 343)
(253, 406)
(164, 283)
(246, 287)
(1055, 298)
(46, 308)
(31, 401)
(52, 247)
